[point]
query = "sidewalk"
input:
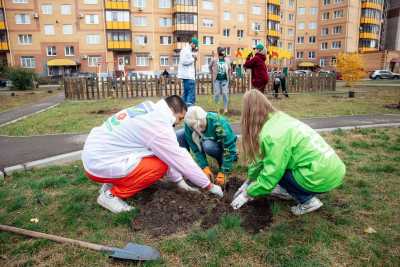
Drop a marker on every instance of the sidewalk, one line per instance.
(25, 111)
(20, 150)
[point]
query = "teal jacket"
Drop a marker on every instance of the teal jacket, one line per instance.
(218, 130)
(287, 143)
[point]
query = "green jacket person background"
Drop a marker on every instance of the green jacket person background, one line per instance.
(207, 133)
(288, 158)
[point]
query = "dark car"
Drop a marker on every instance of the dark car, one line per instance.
(3, 83)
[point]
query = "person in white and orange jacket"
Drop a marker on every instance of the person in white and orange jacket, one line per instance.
(135, 148)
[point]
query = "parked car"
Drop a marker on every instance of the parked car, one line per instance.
(3, 83)
(302, 72)
(384, 74)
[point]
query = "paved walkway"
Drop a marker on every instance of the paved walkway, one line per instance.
(22, 112)
(17, 150)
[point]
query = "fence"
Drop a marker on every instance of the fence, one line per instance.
(94, 88)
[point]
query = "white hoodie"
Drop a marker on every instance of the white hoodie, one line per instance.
(114, 149)
(186, 64)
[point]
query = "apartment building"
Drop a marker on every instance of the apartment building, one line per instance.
(62, 36)
(392, 25)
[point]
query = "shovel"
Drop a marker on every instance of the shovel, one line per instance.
(133, 252)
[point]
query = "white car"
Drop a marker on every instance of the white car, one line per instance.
(384, 74)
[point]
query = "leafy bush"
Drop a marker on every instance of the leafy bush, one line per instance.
(22, 79)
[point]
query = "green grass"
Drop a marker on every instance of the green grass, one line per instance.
(21, 98)
(64, 201)
(80, 117)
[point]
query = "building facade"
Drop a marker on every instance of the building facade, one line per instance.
(63, 36)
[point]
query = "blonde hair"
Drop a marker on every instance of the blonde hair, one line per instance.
(196, 118)
(255, 112)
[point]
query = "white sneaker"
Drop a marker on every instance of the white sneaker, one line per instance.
(280, 192)
(113, 203)
(105, 187)
(311, 205)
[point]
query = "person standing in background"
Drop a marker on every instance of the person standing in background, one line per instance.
(259, 73)
(187, 71)
(220, 70)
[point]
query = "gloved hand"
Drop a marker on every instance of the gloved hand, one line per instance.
(216, 190)
(240, 200)
(242, 188)
(220, 180)
(208, 172)
(183, 185)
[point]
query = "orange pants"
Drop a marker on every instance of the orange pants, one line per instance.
(150, 170)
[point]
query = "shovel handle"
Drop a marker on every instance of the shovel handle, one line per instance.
(55, 238)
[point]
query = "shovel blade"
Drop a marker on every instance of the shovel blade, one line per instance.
(135, 252)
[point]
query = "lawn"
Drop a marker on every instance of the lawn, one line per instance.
(81, 116)
(64, 202)
(21, 98)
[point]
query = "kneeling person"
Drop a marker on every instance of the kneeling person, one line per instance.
(207, 133)
(136, 147)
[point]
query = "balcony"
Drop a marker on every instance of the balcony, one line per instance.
(273, 33)
(3, 46)
(2, 25)
(369, 35)
(117, 25)
(185, 27)
(121, 5)
(367, 20)
(119, 45)
(274, 17)
(368, 49)
(371, 5)
(274, 2)
(185, 9)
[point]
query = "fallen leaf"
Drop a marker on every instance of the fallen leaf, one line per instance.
(369, 230)
(35, 220)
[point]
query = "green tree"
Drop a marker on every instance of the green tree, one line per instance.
(22, 79)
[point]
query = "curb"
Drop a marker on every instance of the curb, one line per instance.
(76, 155)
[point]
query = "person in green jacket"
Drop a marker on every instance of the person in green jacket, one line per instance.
(288, 159)
(207, 133)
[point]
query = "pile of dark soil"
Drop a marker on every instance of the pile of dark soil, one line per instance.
(165, 210)
(393, 106)
(106, 111)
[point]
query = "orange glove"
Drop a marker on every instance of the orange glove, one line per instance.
(208, 172)
(220, 180)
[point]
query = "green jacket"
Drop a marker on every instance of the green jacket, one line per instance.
(218, 130)
(287, 143)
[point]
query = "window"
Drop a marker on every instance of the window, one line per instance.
(20, 1)
(226, 32)
(92, 19)
(140, 3)
(337, 30)
(208, 5)
(325, 16)
(175, 60)
(338, 14)
(311, 54)
(291, 3)
(333, 61)
(164, 4)
(336, 44)
(165, 22)
(208, 40)
(291, 17)
(140, 21)
(51, 51)
(299, 55)
(256, 26)
(227, 15)
(227, 51)
(28, 62)
(324, 46)
(120, 16)
(163, 60)
(69, 51)
(313, 11)
(49, 29)
(22, 19)
(301, 11)
(255, 42)
(312, 25)
(66, 9)
(300, 26)
(241, 17)
(256, 10)
(327, 2)
(240, 2)
(290, 32)
(312, 39)
(290, 46)
(47, 9)
(165, 40)
(25, 39)
(240, 33)
(90, 2)
(141, 39)
(142, 60)
(300, 39)
(93, 39)
(325, 31)
(67, 29)
(340, 1)
(208, 23)
(93, 61)
(322, 62)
